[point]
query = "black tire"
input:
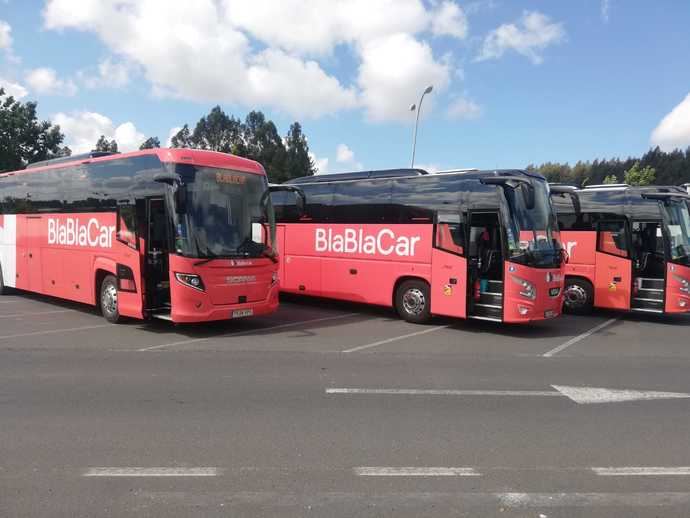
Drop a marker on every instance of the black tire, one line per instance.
(108, 300)
(4, 290)
(413, 301)
(578, 296)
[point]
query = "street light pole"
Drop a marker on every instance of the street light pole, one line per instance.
(416, 124)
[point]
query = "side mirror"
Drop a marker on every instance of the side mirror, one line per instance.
(168, 178)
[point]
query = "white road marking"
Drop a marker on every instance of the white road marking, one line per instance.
(579, 338)
(594, 395)
(632, 471)
(18, 315)
(442, 392)
(250, 331)
(152, 472)
(380, 471)
(579, 395)
(394, 339)
(55, 331)
(556, 500)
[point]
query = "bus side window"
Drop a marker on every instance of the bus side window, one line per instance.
(126, 231)
(612, 238)
(449, 233)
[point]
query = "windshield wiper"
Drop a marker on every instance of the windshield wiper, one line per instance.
(209, 257)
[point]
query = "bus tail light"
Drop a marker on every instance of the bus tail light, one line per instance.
(190, 280)
(527, 288)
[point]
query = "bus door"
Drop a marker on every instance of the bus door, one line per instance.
(649, 266)
(130, 296)
(449, 267)
(157, 249)
(485, 257)
(613, 270)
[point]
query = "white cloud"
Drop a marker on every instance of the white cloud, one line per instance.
(394, 71)
(205, 50)
(13, 89)
(344, 153)
(108, 74)
(46, 81)
(5, 36)
(83, 129)
(463, 108)
(321, 164)
(605, 9)
(173, 131)
(673, 131)
(531, 35)
(449, 19)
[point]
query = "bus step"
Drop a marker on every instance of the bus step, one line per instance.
(643, 304)
(162, 315)
(650, 294)
(647, 283)
(487, 311)
(490, 298)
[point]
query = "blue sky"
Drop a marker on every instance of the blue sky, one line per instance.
(515, 82)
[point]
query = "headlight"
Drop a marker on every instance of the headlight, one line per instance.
(684, 283)
(527, 288)
(190, 280)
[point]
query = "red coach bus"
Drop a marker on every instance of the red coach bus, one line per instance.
(177, 234)
(465, 244)
(629, 248)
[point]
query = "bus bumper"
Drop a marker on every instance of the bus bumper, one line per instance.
(546, 285)
(201, 310)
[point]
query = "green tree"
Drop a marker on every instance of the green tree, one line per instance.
(610, 179)
(182, 139)
(23, 138)
(263, 144)
(640, 176)
(150, 143)
(298, 162)
(218, 132)
(106, 146)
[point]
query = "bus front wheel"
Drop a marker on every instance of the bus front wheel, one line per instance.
(413, 301)
(109, 300)
(578, 296)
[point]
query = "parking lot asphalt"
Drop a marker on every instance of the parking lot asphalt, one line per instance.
(335, 409)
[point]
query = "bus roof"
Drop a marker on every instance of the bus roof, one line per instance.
(196, 157)
(470, 174)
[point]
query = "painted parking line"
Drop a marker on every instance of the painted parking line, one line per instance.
(394, 339)
(55, 331)
(643, 471)
(250, 331)
(579, 338)
(37, 313)
(151, 472)
(383, 471)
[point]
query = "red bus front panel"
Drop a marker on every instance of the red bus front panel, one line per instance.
(231, 289)
(677, 288)
(519, 306)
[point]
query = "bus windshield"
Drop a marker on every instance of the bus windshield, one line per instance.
(532, 234)
(226, 214)
(677, 222)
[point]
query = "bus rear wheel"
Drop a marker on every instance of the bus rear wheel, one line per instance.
(413, 301)
(578, 296)
(108, 300)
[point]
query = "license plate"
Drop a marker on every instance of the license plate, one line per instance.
(549, 314)
(240, 313)
(554, 292)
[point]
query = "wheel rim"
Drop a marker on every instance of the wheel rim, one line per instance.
(575, 297)
(109, 299)
(414, 301)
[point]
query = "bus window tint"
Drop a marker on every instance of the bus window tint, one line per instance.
(319, 202)
(362, 202)
(677, 220)
(450, 233)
